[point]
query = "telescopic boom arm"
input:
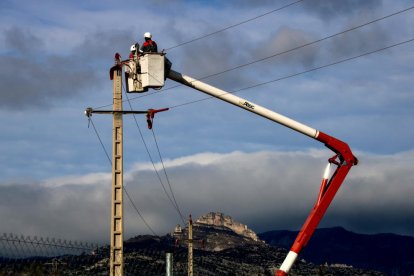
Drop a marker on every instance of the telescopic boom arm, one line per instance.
(343, 160)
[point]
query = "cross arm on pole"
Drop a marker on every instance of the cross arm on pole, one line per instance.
(150, 113)
(90, 110)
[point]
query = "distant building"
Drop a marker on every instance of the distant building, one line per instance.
(177, 230)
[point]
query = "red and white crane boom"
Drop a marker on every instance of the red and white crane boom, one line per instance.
(153, 68)
(343, 159)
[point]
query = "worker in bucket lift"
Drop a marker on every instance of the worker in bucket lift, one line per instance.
(133, 66)
(134, 54)
(149, 46)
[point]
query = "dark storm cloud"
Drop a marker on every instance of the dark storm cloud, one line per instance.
(249, 4)
(22, 41)
(285, 39)
(277, 190)
(355, 42)
(35, 79)
(359, 42)
(211, 56)
(71, 212)
(266, 190)
(329, 10)
(346, 15)
(102, 46)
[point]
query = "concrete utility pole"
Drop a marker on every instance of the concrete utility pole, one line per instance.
(190, 247)
(117, 204)
(116, 258)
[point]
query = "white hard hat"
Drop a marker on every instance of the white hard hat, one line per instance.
(133, 48)
(147, 35)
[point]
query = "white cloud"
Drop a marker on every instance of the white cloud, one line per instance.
(89, 179)
(202, 159)
(266, 190)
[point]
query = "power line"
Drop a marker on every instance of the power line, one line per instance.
(100, 140)
(138, 212)
(253, 86)
(301, 73)
(308, 44)
(166, 176)
(234, 25)
(172, 200)
(242, 89)
(124, 188)
(281, 53)
(211, 34)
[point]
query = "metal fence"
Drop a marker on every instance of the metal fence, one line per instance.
(25, 255)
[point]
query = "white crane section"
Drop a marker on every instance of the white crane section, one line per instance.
(240, 102)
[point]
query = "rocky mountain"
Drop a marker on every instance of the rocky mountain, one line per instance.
(218, 237)
(222, 246)
(392, 254)
(216, 232)
(219, 220)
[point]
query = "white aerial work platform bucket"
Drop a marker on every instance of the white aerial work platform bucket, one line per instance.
(147, 71)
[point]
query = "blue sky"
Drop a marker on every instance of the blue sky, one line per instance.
(56, 57)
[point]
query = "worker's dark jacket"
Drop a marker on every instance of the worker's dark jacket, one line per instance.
(149, 46)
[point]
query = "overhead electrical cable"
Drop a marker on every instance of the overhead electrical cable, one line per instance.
(279, 53)
(300, 73)
(138, 212)
(100, 140)
(124, 188)
(249, 87)
(260, 84)
(234, 25)
(165, 173)
(307, 44)
(172, 197)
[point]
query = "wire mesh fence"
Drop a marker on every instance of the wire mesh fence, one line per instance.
(25, 255)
